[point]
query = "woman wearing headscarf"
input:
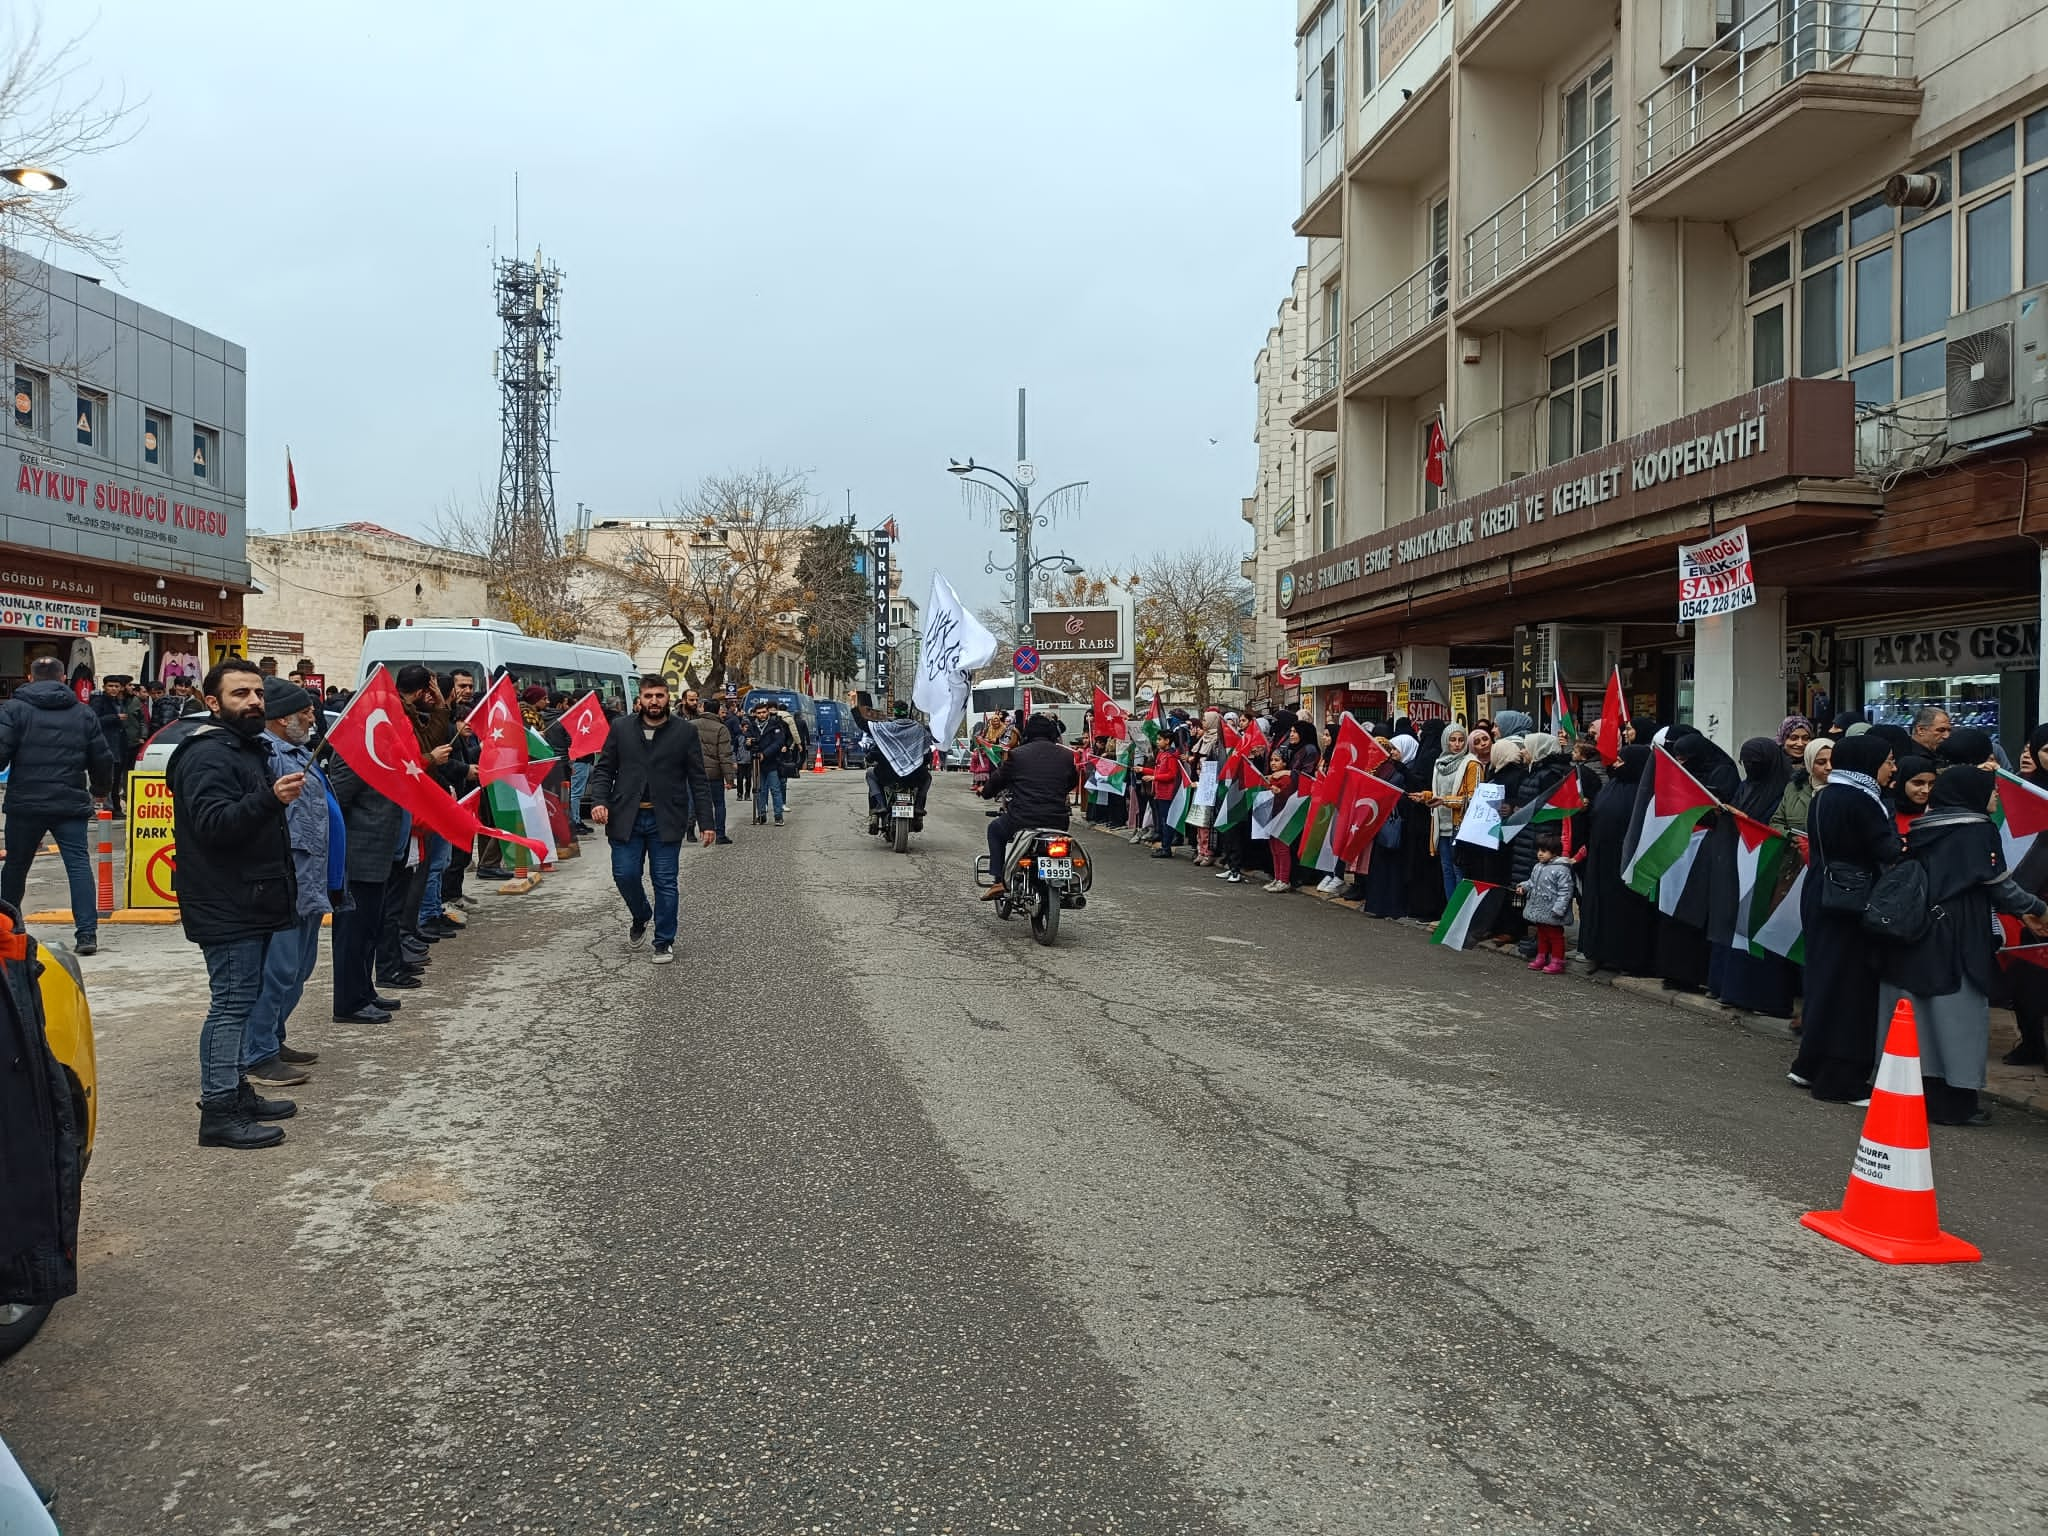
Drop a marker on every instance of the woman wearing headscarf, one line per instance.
(1848, 829)
(1294, 760)
(1507, 766)
(1451, 782)
(1385, 886)
(2028, 984)
(1684, 954)
(1638, 731)
(1207, 748)
(1418, 849)
(1617, 928)
(1761, 984)
(1794, 732)
(1795, 803)
(1912, 787)
(1840, 726)
(1949, 975)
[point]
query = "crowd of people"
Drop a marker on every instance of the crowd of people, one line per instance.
(1854, 799)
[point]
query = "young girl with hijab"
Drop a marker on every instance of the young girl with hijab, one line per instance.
(1912, 785)
(1949, 974)
(1293, 762)
(1452, 781)
(1847, 827)
(1207, 748)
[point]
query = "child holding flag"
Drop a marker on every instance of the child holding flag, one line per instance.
(1547, 901)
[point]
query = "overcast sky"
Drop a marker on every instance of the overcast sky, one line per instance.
(817, 235)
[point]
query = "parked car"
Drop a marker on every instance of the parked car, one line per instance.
(958, 754)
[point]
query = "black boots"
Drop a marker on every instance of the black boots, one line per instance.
(237, 1119)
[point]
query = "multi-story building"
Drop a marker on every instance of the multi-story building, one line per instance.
(121, 507)
(1281, 528)
(1663, 270)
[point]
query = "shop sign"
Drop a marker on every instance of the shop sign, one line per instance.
(1715, 576)
(225, 643)
(152, 843)
(1954, 652)
(1496, 685)
(147, 520)
(1312, 653)
(119, 593)
(48, 615)
(1461, 708)
(1795, 429)
(1095, 634)
(277, 642)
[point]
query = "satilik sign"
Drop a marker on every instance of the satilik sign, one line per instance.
(1715, 576)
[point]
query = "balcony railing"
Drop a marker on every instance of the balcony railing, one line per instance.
(1392, 320)
(1319, 372)
(1542, 213)
(1773, 49)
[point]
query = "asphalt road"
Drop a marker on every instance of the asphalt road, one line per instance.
(1231, 1213)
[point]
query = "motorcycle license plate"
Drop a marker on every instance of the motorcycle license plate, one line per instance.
(1057, 871)
(901, 812)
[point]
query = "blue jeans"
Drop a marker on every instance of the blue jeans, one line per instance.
(1164, 823)
(1444, 845)
(579, 776)
(24, 836)
(644, 846)
(717, 822)
(234, 976)
(767, 787)
(292, 956)
(436, 855)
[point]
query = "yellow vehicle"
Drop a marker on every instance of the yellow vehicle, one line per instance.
(66, 1020)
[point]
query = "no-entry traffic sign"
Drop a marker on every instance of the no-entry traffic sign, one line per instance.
(1025, 660)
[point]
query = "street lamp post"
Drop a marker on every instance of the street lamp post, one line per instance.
(1019, 515)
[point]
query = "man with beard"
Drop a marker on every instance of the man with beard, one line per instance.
(650, 772)
(462, 778)
(237, 890)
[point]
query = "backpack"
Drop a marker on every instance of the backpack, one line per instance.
(1899, 910)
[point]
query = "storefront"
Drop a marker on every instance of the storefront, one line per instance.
(103, 610)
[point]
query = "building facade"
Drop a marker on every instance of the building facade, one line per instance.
(1279, 509)
(1592, 281)
(323, 589)
(122, 524)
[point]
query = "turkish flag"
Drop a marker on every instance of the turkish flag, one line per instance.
(1609, 737)
(587, 726)
(1356, 747)
(500, 732)
(374, 737)
(1363, 808)
(1433, 463)
(1109, 718)
(291, 481)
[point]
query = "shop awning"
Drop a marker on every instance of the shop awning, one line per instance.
(1360, 673)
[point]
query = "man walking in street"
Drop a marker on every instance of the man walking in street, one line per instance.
(57, 759)
(769, 742)
(314, 824)
(716, 742)
(237, 890)
(650, 770)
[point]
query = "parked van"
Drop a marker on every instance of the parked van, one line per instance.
(831, 727)
(481, 647)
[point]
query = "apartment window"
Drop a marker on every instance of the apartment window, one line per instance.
(1876, 287)
(1439, 257)
(1581, 409)
(91, 425)
(156, 435)
(1322, 91)
(1587, 121)
(205, 453)
(1326, 508)
(31, 401)
(1432, 493)
(1368, 48)
(1333, 310)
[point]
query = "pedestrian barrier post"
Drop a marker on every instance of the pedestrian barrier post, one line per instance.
(1889, 1213)
(103, 857)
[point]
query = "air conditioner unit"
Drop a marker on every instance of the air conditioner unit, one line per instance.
(1998, 368)
(1691, 27)
(1583, 654)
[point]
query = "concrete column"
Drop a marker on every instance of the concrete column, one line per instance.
(1738, 673)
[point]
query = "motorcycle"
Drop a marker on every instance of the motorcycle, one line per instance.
(1045, 872)
(902, 811)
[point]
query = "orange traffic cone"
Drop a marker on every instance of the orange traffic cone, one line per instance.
(817, 759)
(1889, 1213)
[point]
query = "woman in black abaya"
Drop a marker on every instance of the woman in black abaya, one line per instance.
(2028, 984)
(1848, 827)
(1740, 979)
(1684, 957)
(1617, 928)
(1425, 883)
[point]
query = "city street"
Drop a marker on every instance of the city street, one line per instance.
(1231, 1213)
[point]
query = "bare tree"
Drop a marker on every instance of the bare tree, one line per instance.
(49, 121)
(724, 572)
(1191, 612)
(539, 595)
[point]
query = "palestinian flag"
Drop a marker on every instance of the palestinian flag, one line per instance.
(1289, 819)
(1271, 814)
(1668, 808)
(1562, 801)
(517, 807)
(1473, 909)
(1108, 776)
(1672, 883)
(1182, 802)
(1783, 932)
(1759, 856)
(1561, 722)
(2022, 816)
(1242, 783)
(1318, 844)
(1153, 725)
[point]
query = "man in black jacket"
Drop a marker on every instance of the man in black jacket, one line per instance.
(57, 759)
(648, 775)
(1039, 775)
(237, 889)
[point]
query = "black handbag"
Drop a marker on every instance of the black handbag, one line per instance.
(1844, 888)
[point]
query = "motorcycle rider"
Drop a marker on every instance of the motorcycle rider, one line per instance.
(890, 745)
(1040, 776)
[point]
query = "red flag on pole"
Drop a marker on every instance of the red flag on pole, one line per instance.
(1365, 804)
(1609, 736)
(1433, 465)
(291, 481)
(587, 726)
(1108, 718)
(1356, 747)
(500, 733)
(374, 737)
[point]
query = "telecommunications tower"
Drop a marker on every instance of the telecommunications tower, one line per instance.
(523, 532)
